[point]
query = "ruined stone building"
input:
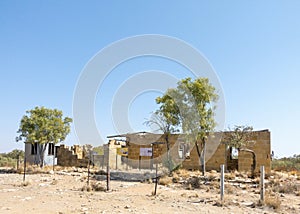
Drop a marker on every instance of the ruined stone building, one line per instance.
(33, 154)
(56, 155)
(72, 156)
(146, 149)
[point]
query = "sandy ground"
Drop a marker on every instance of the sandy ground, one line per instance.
(62, 193)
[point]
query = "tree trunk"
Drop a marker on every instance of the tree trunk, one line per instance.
(42, 148)
(203, 157)
(168, 152)
(199, 154)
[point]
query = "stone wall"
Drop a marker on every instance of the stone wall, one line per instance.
(159, 150)
(110, 151)
(261, 145)
(73, 156)
(216, 152)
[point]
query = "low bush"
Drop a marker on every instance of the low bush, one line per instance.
(272, 201)
(165, 180)
(287, 164)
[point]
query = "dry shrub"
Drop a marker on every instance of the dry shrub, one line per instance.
(189, 186)
(288, 188)
(165, 180)
(25, 183)
(183, 173)
(86, 188)
(229, 189)
(98, 187)
(215, 185)
(149, 181)
(212, 177)
(194, 195)
(241, 174)
(58, 168)
(47, 168)
(195, 182)
(229, 176)
(272, 201)
(20, 170)
(175, 178)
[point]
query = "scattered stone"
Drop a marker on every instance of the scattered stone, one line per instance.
(5, 208)
(127, 207)
(248, 204)
(84, 209)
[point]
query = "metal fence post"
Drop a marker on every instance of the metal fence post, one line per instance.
(262, 184)
(108, 173)
(222, 182)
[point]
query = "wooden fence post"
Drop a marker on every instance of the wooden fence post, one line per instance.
(156, 180)
(24, 169)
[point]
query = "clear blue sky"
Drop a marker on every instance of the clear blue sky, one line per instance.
(254, 47)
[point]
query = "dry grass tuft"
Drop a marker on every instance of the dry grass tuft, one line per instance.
(229, 189)
(25, 183)
(212, 177)
(86, 188)
(284, 187)
(165, 180)
(98, 187)
(194, 182)
(183, 173)
(230, 176)
(194, 195)
(175, 178)
(272, 201)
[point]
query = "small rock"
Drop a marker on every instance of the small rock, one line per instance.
(248, 204)
(127, 207)
(5, 208)
(84, 209)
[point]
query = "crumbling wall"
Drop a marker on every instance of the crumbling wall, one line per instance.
(73, 156)
(260, 144)
(262, 148)
(110, 152)
(216, 153)
(159, 150)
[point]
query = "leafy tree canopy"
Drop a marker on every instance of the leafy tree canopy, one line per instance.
(42, 125)
(190, 105)
(239, 136)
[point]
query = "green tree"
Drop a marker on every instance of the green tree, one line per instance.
(43, 126)
(191, 106)
(16, 154)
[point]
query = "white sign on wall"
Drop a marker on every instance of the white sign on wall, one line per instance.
(145, 151)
